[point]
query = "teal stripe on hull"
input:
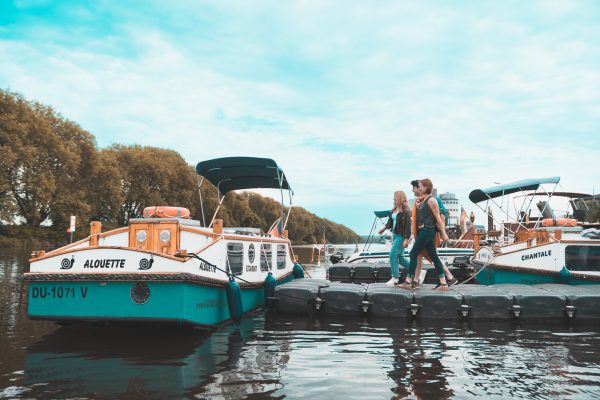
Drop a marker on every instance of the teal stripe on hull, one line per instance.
(496, 276)
(176, 301)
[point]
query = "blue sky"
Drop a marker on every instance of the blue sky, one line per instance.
(352, 99)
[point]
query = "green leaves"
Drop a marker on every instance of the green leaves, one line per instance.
(51, 169)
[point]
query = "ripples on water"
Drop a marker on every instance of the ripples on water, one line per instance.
(280, 356)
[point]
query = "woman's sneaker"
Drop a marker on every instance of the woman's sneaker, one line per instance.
(452, 281)
(392, 282)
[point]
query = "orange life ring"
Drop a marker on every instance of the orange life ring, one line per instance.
(166, 212)
(559, 222)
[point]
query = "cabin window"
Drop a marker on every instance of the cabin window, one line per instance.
(582, 258)
(281, 256)
(266, 258)
(235, 257)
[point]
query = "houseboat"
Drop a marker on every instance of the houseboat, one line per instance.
(541, 247)
(166, 267)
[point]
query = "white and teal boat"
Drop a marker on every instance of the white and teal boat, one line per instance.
(380, 252)
(540, 247)
(166, 267)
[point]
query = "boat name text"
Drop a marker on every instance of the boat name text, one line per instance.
(206, 266)
(106, 263)
(539, 254)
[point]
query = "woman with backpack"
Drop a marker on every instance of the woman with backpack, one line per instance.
(428, 220)
(399, 223)
(419, 273)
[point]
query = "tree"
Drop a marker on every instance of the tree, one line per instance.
(106, 198)
(41, 163)
(151, 176)
(50, 169)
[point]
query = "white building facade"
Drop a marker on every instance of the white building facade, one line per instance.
(452, 206)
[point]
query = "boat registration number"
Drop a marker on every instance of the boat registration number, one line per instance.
(59, 292)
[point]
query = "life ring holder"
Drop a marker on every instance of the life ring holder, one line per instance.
(330, 249)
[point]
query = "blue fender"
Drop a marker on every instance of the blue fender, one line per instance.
(298, 271)
(269, 286)
(564, 276)
(234, 300)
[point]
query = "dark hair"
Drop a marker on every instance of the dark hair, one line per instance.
(427, 185)
(415, 183)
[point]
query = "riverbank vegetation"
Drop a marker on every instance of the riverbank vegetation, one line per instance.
(51, 168)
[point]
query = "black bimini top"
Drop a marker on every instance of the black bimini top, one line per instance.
(479, 195)
(233, 173)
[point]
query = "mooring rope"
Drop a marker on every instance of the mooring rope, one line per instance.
(485, 265)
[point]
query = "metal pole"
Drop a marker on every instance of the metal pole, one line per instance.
(216, 211)
(199, 183)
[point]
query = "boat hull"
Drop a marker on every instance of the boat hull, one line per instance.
(494, 274)
(137, 301)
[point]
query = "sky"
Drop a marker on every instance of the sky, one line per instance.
(352, 99)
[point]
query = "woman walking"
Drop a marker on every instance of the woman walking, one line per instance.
(419, 272)
(399, 223)
(428, 218)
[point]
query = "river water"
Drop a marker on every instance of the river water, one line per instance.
(279, 356)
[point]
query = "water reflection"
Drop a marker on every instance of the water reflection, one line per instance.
(108, 361)
(275, 356)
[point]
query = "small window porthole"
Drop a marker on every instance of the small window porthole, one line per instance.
(251, 253)
(140, 292)
(164, 236)
(140, 236)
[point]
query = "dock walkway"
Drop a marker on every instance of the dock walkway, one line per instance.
(495, 302)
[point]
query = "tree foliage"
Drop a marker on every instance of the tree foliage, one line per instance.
(50, 169)
(44, 162)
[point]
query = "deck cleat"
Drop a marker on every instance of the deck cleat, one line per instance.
(364, 305)
(414, 308)
(464, 310)
(570, 310)
(516, 310)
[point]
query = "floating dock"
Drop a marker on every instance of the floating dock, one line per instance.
(472, 302)
(381, 272)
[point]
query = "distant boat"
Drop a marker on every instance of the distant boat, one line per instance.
(457, 248)
(538, 249)
(166, 267)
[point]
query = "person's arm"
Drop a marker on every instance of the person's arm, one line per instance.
(406, 228)
(388, 225)
(435, 210)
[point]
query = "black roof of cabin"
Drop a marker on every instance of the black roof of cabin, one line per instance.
(233, 173)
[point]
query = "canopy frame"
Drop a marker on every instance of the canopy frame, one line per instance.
(379, 216)
(235, 173)
(490, 194)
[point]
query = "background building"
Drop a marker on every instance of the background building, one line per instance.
(451, 203)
